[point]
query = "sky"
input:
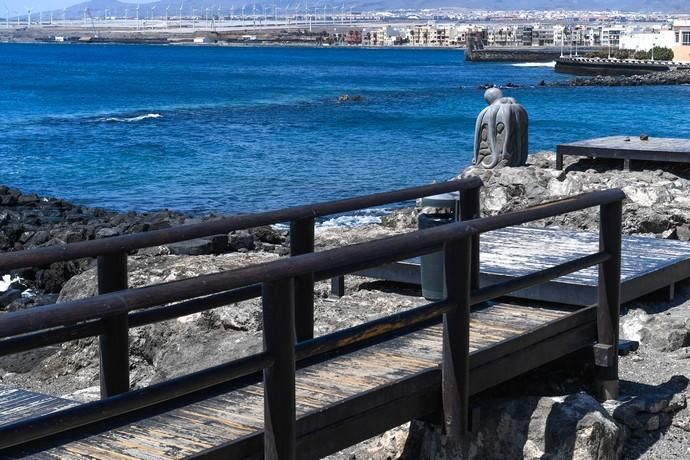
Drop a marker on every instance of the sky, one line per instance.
(35, 5)
(20, 6)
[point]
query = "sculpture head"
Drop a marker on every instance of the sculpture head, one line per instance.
(492, 94)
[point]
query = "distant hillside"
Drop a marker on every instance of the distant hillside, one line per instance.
(117, 8)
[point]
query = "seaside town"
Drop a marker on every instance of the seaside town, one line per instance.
(570, 31)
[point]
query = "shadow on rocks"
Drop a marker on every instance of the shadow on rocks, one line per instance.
(602, 165)
(647, 411)
(392, 287)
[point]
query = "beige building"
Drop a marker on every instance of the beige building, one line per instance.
(681, 45)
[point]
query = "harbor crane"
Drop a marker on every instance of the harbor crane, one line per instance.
(93, 23)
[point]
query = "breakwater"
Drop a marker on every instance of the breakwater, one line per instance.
(672, 77)
(516, 53)
(597, 66)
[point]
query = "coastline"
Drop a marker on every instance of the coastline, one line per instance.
(656, 197)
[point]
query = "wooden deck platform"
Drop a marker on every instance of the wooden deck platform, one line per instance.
(19, 404)
(654, 149)
(397, 379)
(648, 264)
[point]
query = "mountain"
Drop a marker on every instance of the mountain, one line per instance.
(117, 8)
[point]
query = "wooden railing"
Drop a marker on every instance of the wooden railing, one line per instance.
(281, 357)
(111, 254)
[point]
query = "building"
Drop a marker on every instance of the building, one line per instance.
(681, 41)
(611, 36)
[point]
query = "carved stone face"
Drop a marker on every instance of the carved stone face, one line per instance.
(500, 132)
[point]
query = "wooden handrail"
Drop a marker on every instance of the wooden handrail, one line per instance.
(324, 265)
(280, 356)
(125, 243)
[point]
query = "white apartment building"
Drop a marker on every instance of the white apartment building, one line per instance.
(611, 36)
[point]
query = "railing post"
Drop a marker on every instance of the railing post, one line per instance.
(279, 379)
(470, 209)
(302, 242)
(606, 350)
(456, 338)
(114, 346)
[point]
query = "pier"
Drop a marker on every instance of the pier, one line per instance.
(304, 396)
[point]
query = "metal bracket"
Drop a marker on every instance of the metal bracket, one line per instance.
(605, 355)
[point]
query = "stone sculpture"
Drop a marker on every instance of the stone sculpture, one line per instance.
(500, 135)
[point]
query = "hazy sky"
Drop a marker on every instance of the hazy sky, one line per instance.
(35, 5)
(20, 6)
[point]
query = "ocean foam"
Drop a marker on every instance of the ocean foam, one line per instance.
(350, 221)
(7, 281)
(535, 64)
(130, 119)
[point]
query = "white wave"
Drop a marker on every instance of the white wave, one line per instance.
(7, 281)
(131, 119)
(350, 221)
(535, 64)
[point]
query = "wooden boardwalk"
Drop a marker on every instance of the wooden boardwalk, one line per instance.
(647, 265)
(18, 404)
(351, 385)
(627, 148)
(306, 397)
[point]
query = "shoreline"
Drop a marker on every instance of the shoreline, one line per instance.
(165, 350)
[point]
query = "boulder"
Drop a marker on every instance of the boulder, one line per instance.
(658, 201)
(574, 426)
(668, 332)
(651, 409)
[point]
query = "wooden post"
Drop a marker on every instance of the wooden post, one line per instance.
(456, 339)
(559, 161)
(114, 346)
(302, 242)
(470, 209)
(609, 288)
(338, 286)
(279, 379)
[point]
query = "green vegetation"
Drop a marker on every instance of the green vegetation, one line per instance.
(660, 54)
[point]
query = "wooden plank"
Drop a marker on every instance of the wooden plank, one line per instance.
(608, 298)
(360, 393)
(17, 404)
(302, 242)
(114, 342)
(627, 148)
(279, 379)
(455, 366)
(647, 264)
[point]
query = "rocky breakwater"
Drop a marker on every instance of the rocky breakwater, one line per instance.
(657, 203)
(671, 77)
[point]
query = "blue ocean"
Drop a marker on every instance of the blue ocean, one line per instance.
(223, 129)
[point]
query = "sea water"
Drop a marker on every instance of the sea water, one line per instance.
(201, 129)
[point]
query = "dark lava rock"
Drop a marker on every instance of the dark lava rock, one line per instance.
(9, 296)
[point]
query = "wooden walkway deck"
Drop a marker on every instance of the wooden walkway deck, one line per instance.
(305, 397)
(627, 148)
(647, 265)
(399, 379)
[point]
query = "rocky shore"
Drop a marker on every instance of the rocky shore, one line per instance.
(546, 414)
(671, 77)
